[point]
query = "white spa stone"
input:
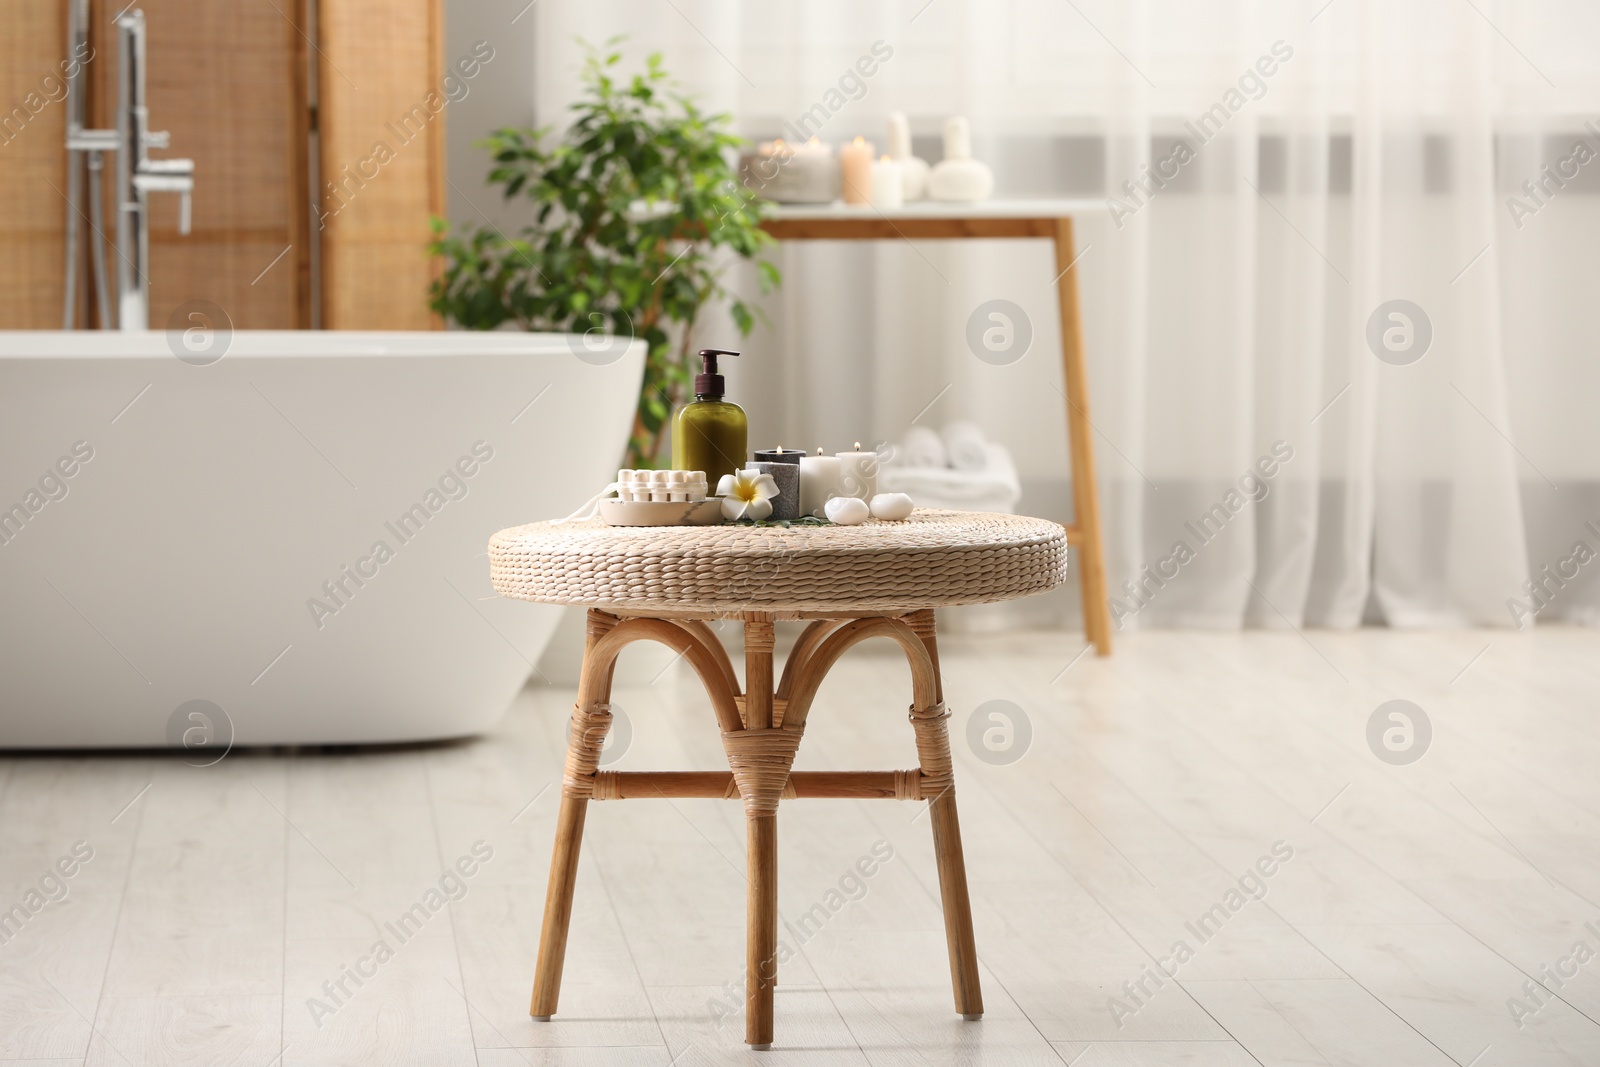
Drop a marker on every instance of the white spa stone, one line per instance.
(891, 506)
(846, 510)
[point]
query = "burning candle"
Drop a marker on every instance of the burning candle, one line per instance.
(792, 174)
(858, 473)
(786, 505)
(887, 185)
(817, 174)
(855, 159)
(819, 480)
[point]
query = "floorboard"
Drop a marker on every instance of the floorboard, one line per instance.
(234, 913)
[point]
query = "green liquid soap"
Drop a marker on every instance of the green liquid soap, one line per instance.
(710, 434)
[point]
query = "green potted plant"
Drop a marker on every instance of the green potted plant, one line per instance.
(634, 205)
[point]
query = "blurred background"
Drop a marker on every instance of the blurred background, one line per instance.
(1432, 152)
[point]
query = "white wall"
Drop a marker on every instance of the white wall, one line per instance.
(501, 95)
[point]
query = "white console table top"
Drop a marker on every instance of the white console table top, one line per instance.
(936, 209)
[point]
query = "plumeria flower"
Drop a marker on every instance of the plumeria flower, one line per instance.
(747, 494)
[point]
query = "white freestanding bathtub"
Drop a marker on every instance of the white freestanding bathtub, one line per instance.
(293, 534)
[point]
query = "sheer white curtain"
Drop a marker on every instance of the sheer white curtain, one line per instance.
(1260, 464)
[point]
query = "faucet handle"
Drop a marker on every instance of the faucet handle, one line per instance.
(167, 172)
(168, 176)
(82, 140)
(158, 139)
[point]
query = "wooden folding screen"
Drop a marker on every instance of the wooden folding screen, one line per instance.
(233, 84)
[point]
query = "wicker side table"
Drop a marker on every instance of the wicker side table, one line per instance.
(852, 583)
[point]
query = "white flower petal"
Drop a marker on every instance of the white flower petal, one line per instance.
(732, 507)
(759, 508)
(725, 485)
(766, 487)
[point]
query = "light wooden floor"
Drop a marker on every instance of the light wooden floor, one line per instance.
(1417, 902)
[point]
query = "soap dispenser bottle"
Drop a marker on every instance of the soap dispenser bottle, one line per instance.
(710, 433)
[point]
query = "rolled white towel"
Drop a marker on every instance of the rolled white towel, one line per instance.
(966, 445)
(922, 447)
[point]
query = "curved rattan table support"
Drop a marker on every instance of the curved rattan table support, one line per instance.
(924, 688)
(857, 583)
(813, 635)
(708, 638)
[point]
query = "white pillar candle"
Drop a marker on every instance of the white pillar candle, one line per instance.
(858, 473)
(887, 190)
(855, 161)
(819, 480)
(816, 173)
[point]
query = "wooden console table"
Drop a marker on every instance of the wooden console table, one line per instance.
(1048, 219)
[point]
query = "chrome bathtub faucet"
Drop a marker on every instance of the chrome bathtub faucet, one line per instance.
(137, 174)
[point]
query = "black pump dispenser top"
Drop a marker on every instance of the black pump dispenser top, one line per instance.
(710, 383)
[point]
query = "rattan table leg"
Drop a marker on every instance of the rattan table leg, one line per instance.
(589, 726)
(761, 847)
(558, 908)
(933, 749)
(761, 928)
(957, 906)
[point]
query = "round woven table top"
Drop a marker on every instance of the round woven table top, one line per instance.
(932, 559)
